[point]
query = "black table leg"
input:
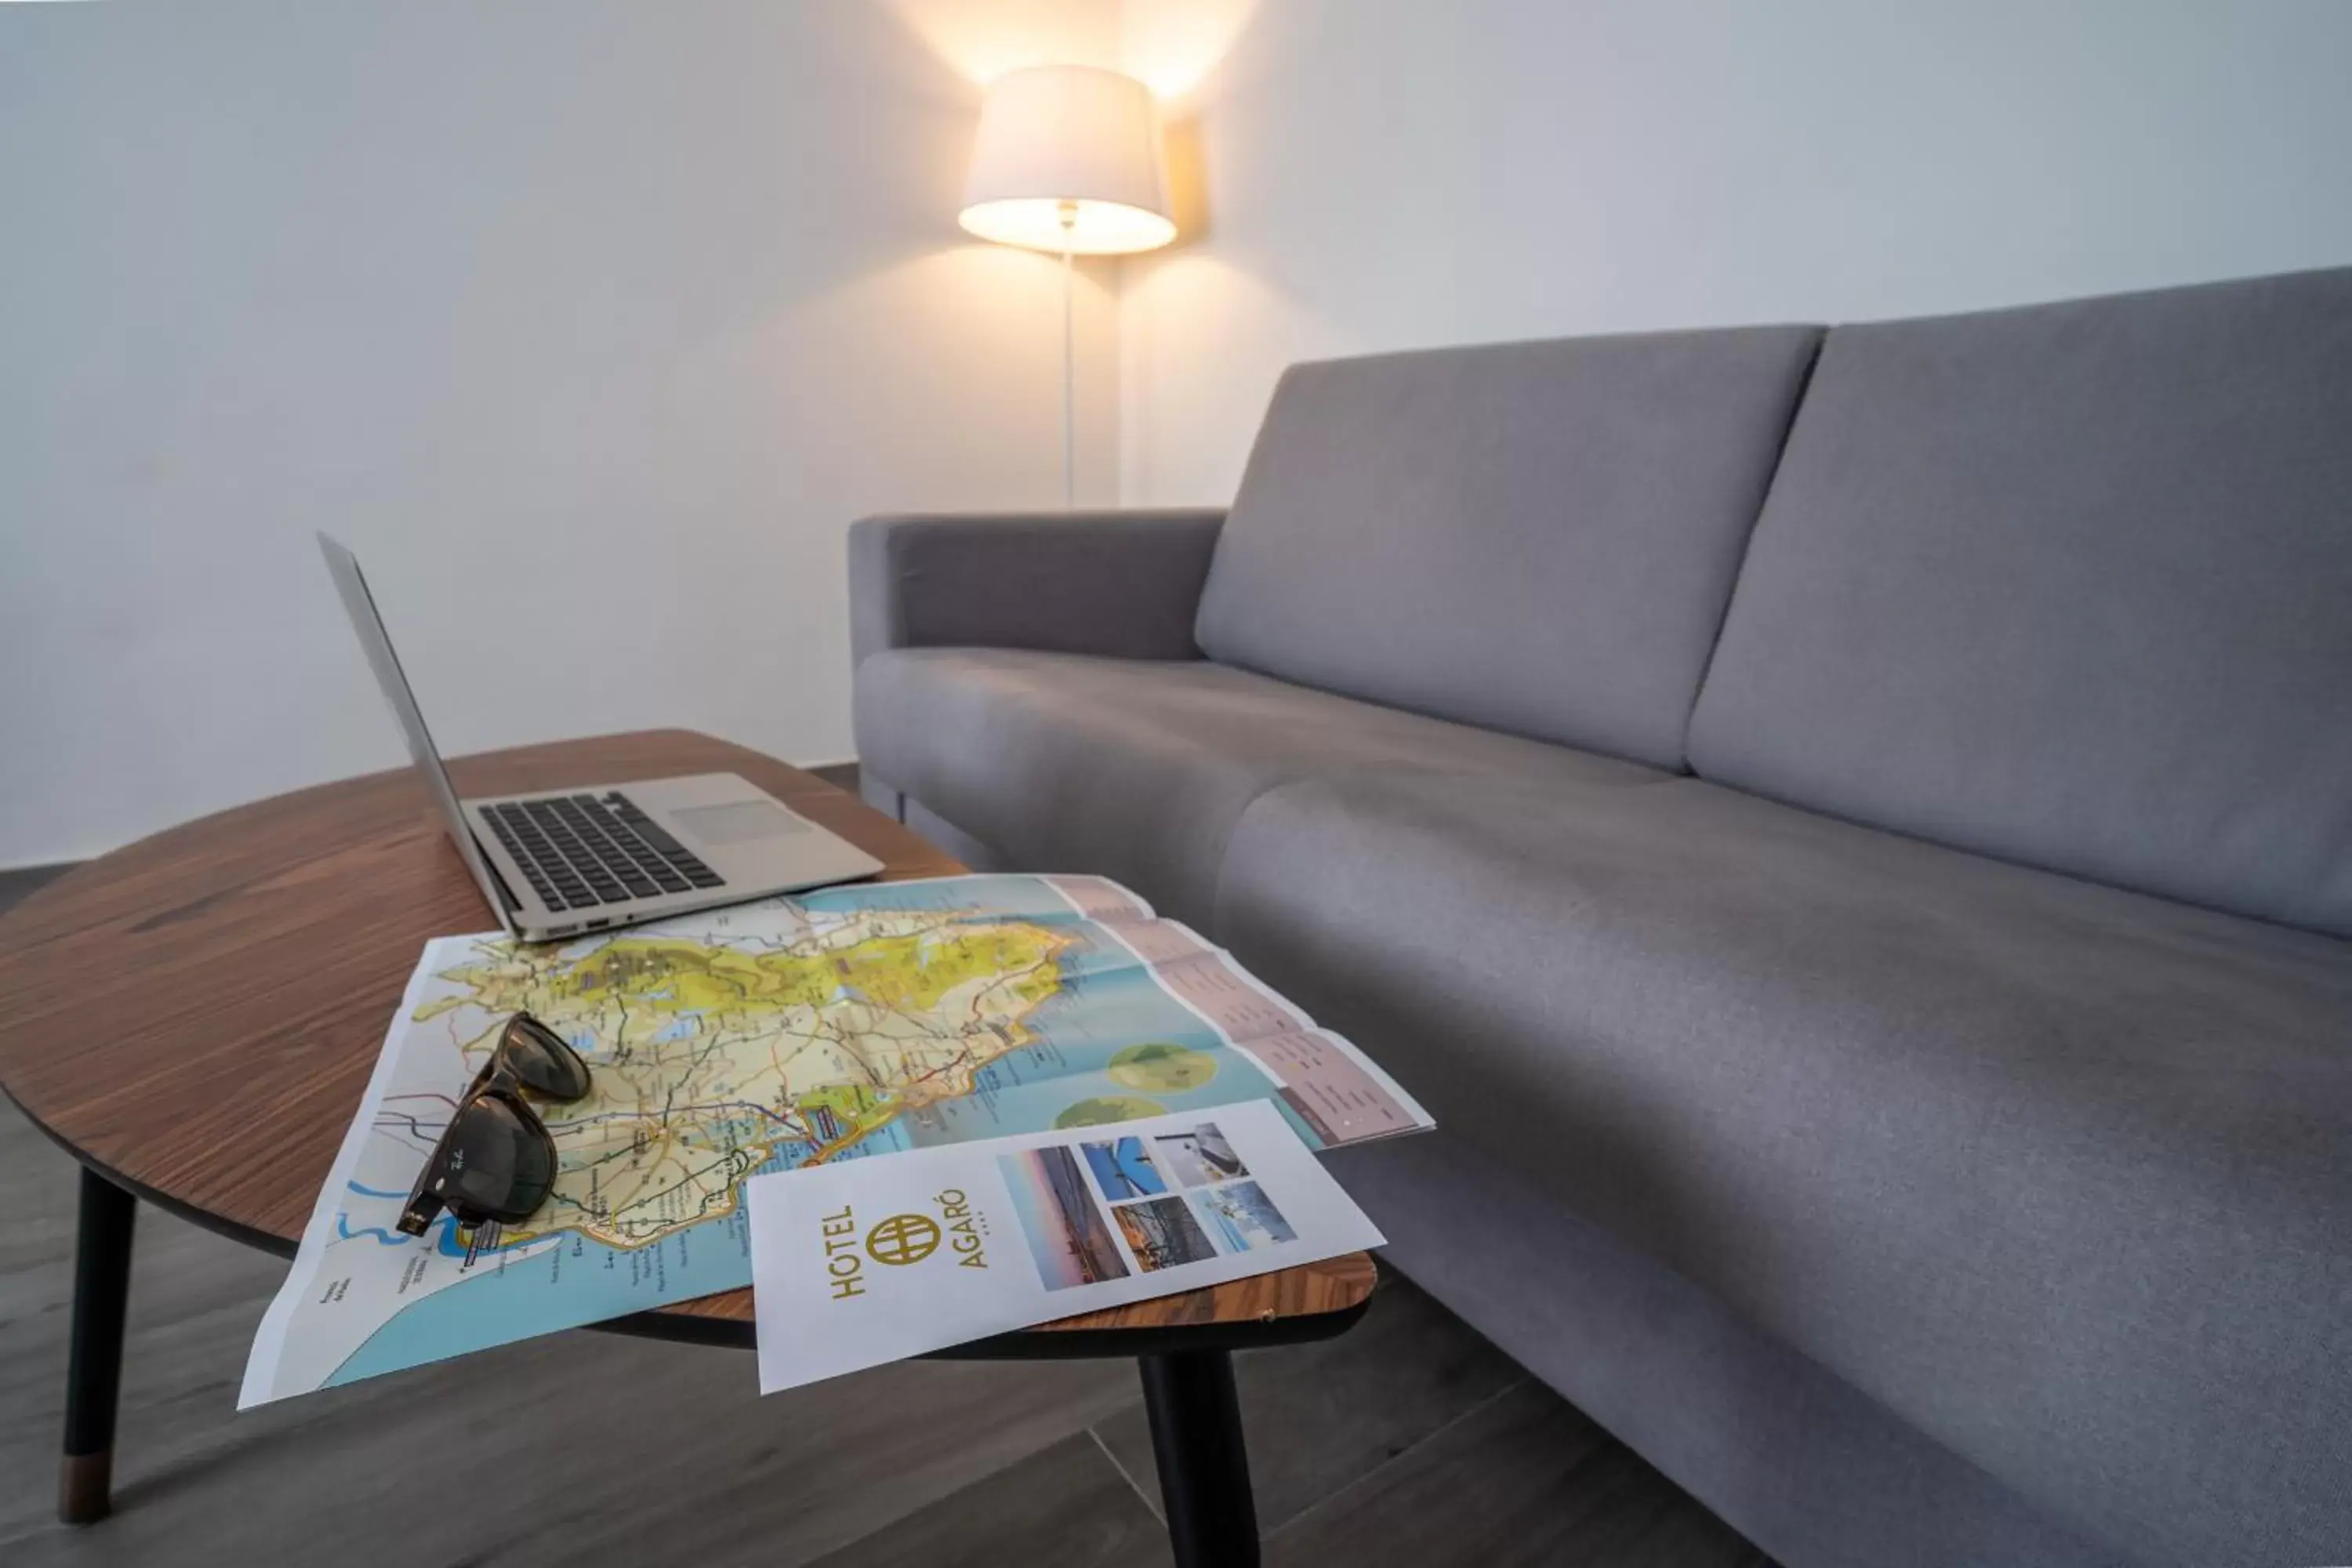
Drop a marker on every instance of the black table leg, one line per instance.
(94, 1370)
(1196, 1440)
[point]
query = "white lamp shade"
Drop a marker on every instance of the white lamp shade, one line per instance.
(1068, 158)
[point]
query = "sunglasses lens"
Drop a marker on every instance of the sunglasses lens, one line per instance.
(541, 1061)
(495, 1161)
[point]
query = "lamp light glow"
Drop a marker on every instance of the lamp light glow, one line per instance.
(1069, 160)
(1080, 228)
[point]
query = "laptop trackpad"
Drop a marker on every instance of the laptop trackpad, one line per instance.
(737, 822)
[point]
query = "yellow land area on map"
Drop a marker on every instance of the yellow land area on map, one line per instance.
(707, 1059)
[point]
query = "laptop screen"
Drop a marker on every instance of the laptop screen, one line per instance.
(360, 604)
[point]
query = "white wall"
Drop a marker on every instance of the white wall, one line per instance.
(1387, 174)
(588, 323)
(591, 323)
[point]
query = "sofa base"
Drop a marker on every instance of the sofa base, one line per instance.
(1797, 1460)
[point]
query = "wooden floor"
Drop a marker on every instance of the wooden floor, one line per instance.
(1407, 1441)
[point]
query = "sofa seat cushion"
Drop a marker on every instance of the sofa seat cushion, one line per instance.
(1137, 770)
(2058, 1173)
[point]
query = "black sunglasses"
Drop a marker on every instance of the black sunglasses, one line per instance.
(496, 1160)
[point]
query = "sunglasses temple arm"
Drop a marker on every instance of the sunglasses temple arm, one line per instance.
(422, 1210)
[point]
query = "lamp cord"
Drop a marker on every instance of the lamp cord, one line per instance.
(1068, 213)
(1069, 390)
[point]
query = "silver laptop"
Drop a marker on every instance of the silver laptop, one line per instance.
(605, 855)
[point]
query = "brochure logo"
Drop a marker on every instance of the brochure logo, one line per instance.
(903, 1238)
(900, 1240)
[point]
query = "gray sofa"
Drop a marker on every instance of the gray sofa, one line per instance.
(1849, 830)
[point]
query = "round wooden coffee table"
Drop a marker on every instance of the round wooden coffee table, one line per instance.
(194, 1018)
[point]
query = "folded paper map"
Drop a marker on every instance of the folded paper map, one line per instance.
(844, 1023)
(858, 1264)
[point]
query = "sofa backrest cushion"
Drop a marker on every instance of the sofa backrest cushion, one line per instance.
(1536, 537)
(2071, 585)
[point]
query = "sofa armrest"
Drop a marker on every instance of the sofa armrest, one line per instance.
(1120, 583)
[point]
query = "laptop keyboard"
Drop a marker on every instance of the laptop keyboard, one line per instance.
(581, 851)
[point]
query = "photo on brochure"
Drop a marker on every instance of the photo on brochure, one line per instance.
(1123, 1170)
(1162, 1234)
(1241, 1219)
(1198, 1158)
(1066, 1232)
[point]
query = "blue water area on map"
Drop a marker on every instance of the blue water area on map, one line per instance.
(1109, 1001)
(1004, 898)
(382, 1237)
(1090, 1020)
(504, 1301)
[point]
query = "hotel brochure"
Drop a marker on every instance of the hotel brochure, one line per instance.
(870, 1261)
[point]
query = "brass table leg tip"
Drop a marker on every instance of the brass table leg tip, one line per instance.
(85, 1488)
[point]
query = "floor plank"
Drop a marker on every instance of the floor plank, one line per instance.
(1316, 1418)
(1525, 1479)
(1064, 1507)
